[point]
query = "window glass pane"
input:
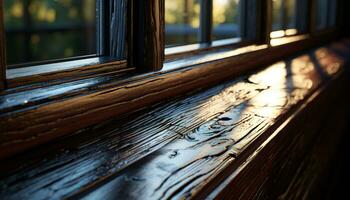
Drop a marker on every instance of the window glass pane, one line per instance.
(225, 19)
(326, 13)
(181, 22)
(277, 17)
(290, 13)
(283, 14)
(322, 14)
(42, 30)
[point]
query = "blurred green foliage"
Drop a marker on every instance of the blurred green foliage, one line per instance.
(182, 19)
(40, 30)
(279, 12)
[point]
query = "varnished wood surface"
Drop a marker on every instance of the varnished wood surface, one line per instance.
(292, 162)
(149, 42)
(182, 148)
(27, 76)
(59, 111)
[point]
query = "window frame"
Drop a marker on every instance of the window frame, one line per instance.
(248, 22)
(302, 20)
(147, 20)
(62, 109)
(111, 60)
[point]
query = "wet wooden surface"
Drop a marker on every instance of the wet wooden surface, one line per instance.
(183, 148)
(91, 101)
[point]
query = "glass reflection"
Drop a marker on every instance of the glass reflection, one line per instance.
(43, 30)
(277, 17)
(326, 13)
(181, 22)
(291, 13)
(225, 19)
(283, 14)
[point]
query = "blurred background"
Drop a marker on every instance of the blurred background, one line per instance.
(38, 30)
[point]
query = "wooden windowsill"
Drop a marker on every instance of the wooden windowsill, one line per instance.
(60, 110)
(193, 146)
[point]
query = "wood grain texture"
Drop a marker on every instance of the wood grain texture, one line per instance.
(298, 156)
(185, 147)
(2, 49)
(56, 117)
(34, 75)
(149, 42)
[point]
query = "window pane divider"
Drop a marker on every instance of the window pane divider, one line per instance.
(2, 48)
(148, 41)
(267, 25)
(206, 21)
(117, 28)
(284, 8)
(303, 16)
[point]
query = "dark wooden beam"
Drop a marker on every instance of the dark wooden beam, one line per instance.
(2, 48)
(148, 47)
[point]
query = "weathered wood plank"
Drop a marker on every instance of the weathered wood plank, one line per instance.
(172, 149)
(102, 102)
(286, 173)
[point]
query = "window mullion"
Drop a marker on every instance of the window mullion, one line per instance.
(206, 21)
(313, 16)
(101, 33)
(284, 14)
(118, 30)
(148, 41)
(331, 18)
(250, 18)
(2, 48)
(302, 15)
(266, 13)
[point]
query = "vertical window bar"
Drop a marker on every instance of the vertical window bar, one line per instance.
(251, 19)
(100, 7)
(27, 21)
(284, 16)
(112, 28)
(206, 21)
(302, 15)
(117, 29)
(243, 16)
(2, 48)
(313, 16)
(332, 13)
(267, 19)
(149, 25)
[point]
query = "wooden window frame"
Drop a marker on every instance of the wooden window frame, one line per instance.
(112, 48)
(147, 20)
(95, 99)
(251, 30)
(302, 20)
